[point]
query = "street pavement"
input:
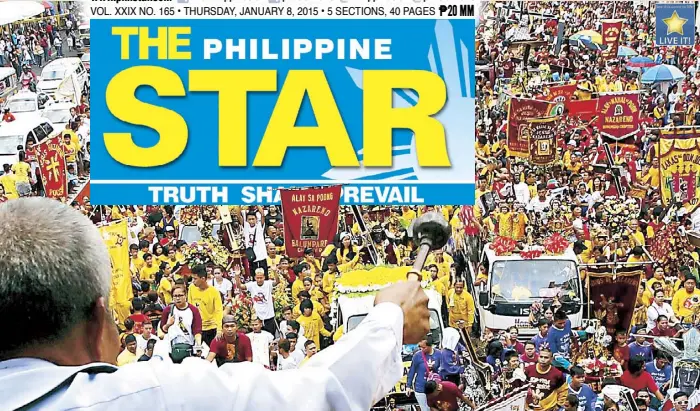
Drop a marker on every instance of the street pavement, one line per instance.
(66, 53)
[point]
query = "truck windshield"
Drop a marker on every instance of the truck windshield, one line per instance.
(529, 280)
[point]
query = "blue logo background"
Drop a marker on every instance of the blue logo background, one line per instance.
(442, 46)
(670, 17)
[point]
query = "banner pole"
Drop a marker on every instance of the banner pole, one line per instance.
(673, 128)
(530, 99)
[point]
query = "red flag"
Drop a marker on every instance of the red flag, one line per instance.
(310, 218)
(584, 109)
(619, 115)
(52, 165)
(543, 140)
(517, 133)
(466, 217)
(84, 195)
(611, 37)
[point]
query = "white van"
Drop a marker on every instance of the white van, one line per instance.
(8, 83)
(54, 73)
(83, 37)
(27, 103)
(515, 283)
(15, 133)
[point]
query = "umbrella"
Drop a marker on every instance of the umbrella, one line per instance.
(585, 41)
(11, 11)
(624, 51)
(47, 5)
(641, 62)
(592, 35)
(662, 72)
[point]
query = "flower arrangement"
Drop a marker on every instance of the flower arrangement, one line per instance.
(191, 215)
(504, 246)
(207, 251)
(243, 312)
(556, 244)
(367, 281)
(529, 255)
(280, 298)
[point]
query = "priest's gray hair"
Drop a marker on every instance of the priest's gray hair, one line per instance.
(54, 265)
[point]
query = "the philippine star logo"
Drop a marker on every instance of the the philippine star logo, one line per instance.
(448, 58)
(675, 24)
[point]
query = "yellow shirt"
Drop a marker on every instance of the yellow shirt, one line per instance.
(314, 265)
(271, 262)
(166, 288)
(519, 221)
(73, 138)
(460, 307)
(70, 151)
(343, 256)
(444, 266)
(313, 327)
(209, 304)
(639, 238)
(681, 304)
(441, 285)
(318, 308)
(328, 282)
(126, 357)
(297, 287)
(408, 215)
(9, 182)
(148, 273)
(505, 224)
(137, 263)
(22, 171)
(327, 251)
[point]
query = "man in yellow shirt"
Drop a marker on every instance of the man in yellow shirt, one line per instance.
(686, 300)
(314, 264)
(71, 151)
(128, 356)
(208, 301)
(311, 349)
(460, 306)
(165, 287)
(301, 271)
(442, 260)
(22, 169)
(9, 182)
(148, 270)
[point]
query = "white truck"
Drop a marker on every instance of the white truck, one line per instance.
(514, 283)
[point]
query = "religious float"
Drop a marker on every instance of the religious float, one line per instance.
(354, 294)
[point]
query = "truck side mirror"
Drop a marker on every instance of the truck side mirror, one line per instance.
(483, 298)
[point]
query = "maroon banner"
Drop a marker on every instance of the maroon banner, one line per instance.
(543, 141)
(558, 94)
(619, 115)
(52, 166)
(310, 218)
(517, 133)
(614, 297)
(611, 38)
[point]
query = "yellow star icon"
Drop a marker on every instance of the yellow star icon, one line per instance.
(674, 24)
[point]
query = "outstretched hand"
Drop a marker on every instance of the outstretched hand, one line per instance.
(414, 302)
